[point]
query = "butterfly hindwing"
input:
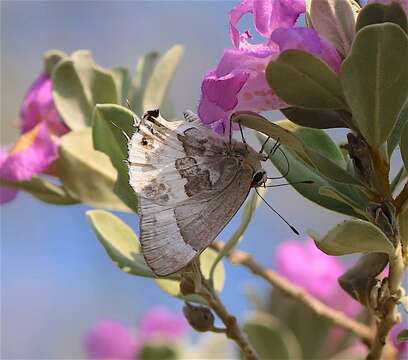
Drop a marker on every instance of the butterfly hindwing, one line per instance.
(188, 188)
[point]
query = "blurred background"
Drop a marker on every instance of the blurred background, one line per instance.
(56, 279)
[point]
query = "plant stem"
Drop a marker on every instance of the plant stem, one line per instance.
(389, 315)
(338, 318)
(233, 331)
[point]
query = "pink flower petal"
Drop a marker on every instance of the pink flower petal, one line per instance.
(110, 340)
(238, 83)
(268, 16)
(7, 194)
(307, 266)
(307, 40)
(159, 322)
(38, 106)
(32, 154)
(272, 14)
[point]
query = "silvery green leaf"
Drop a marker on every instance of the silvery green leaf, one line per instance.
(86, 174)
(51, 60)
(317, 119)
(404, 145)
(119, 241)
(403, 224)
(78, 84)
(112, 125)
(294, 71)
(123, 81)
(271, 338)
(43, 190)
(144, 69)
(381, 13)
(375, 80)
(159, 81)
(395, 135)
(353, 236)
(335, 20)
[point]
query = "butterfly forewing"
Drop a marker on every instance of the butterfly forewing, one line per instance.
(189, 185)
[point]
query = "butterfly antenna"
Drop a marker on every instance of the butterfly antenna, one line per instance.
(283, 219)
(128, 104)
(263, 145)
(123, 131)
(230, 132)
(291, 183)
(287, 167)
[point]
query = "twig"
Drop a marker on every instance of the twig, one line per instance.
(389, 315)
(338, 318)
(232, 330)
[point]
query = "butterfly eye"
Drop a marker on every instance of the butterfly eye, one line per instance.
(259, 178)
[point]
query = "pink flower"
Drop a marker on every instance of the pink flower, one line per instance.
(305, 265)
(161, 323)
(238, 82)
(37, 147)
(110, 340)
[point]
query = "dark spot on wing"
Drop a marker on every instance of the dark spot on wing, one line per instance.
(198, 179)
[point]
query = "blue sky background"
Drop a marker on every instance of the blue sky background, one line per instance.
(56, 280)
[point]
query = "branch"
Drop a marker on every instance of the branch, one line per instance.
(232, 330)
(389, 315)
(338, 318)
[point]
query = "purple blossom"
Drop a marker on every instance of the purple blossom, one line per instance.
(110, 340)
(159, 322)
(238, 82)
(305, 265)
(37, 147)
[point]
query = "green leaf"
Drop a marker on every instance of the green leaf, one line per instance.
(78, 84)
(403, 224)
(337, 195)
(300, 171)
(404, 145)
(346, 238)
(401, 175)
(207, 258)
(403, 335)
(335, 21)
(249, 209)
(375, 80)
(379, 13)
(271, 338)
(259, 123)
(123, 81)
(43, 190)
(159, 82)
(318, 119)
(326, 166)
(51, 59)
(320, 142)
(69, 96)
(154, 350)
(144, 69)
(119, 241)
(302, 80)
(87, 174)
(112, 125)
(395, 136)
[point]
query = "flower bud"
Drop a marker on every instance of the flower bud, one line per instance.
(199, 317)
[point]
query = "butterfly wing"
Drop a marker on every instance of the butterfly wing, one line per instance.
(189, 189)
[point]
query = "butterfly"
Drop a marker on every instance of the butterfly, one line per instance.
(190, 183)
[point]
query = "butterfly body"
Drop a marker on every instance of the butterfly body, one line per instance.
(190, 182)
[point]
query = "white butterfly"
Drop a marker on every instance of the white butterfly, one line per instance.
(190, 183)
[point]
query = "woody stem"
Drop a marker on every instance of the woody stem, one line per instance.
(233, 331)
(338, 318)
